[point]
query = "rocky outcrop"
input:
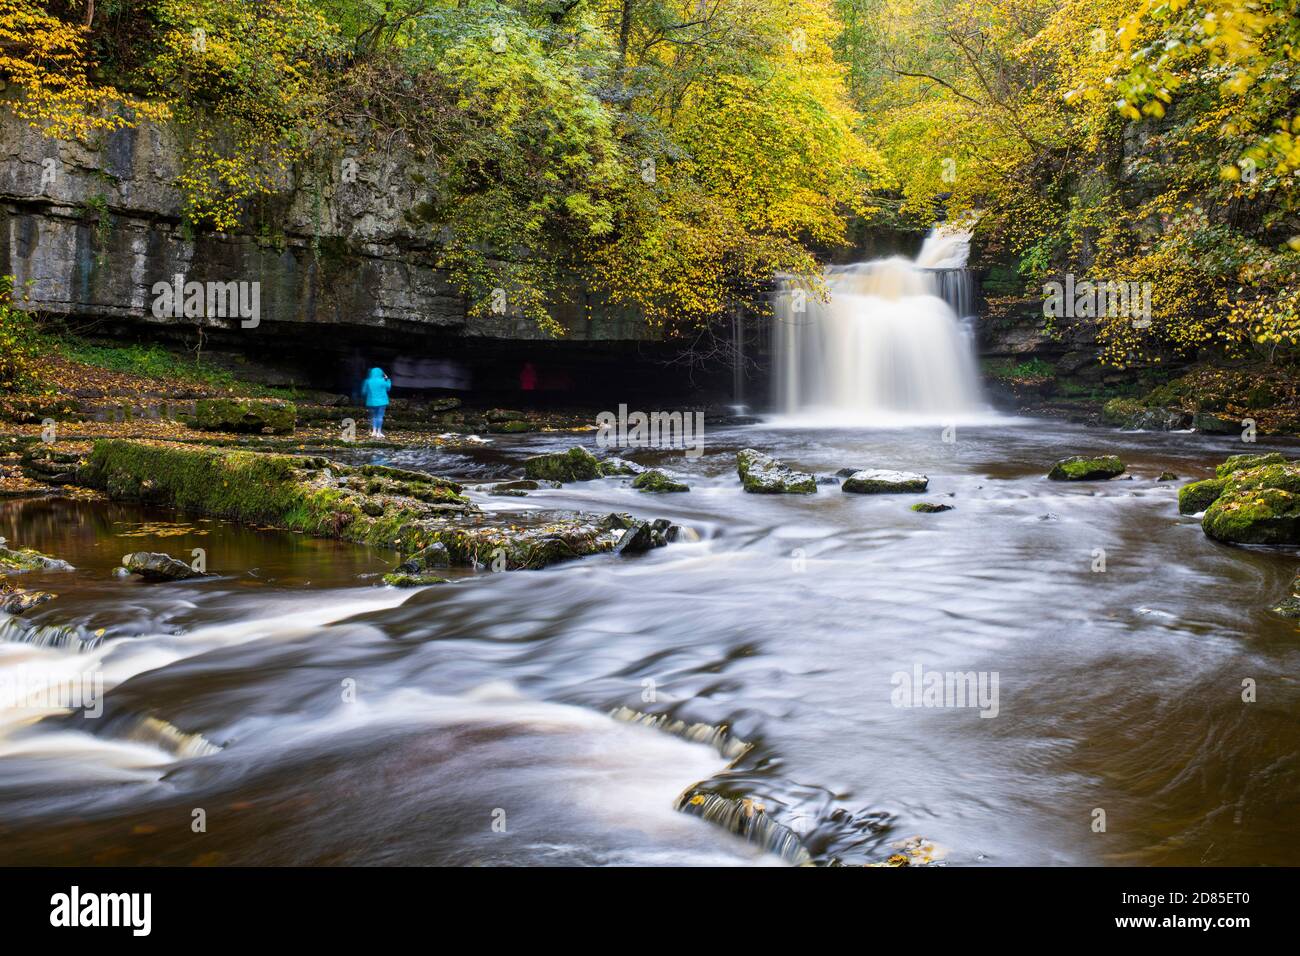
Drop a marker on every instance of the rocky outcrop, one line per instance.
(763, 475)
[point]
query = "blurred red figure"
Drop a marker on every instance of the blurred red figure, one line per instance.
(528, 377)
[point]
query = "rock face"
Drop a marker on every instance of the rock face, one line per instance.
(880, 482)
(1080, 468)
(1258, 505)
(329, 251)
(244, 415)
(761, 474)
(154, 566)
(657, 481)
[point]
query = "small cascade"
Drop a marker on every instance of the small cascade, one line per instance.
(719, 738)
(67, 637)
(169, 738)
(748, 819)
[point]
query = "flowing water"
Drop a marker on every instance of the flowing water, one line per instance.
(303, 713)
(886, 345)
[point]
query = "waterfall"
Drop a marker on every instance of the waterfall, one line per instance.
(889, 345)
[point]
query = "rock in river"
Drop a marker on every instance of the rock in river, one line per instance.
(878, 482)
(763, 475)
(656, 481)
(1080, 468)
(155, 566)
(1257, 506)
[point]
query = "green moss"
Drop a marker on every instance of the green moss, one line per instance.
(1199, 495)
(244, 415)
(761, 474)
(576, 464)
(1121, 411)
(930, 508)
(1080, 468)
(400, 580)
(1243, 462)
(657, 481)
(1259, 516)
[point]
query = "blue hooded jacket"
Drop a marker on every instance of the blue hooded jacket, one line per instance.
(374, 390)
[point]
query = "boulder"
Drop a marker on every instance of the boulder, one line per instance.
(1080, 468)
(1129, 413)
(17, 600)
(155, 566)
(576, 464)
(434, 556)
(641, 536)
(1215, 424)
(656, 481)
(1257, 506)
(1167, 476)
(244, 415)
(763, 475)
(930, 508)
(880, 482)
(1290, 607)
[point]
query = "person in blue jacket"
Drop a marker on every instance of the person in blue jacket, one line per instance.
(374, 395)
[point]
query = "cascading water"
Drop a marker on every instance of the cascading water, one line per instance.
(888, 347)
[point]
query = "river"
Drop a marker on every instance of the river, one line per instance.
(291, 709)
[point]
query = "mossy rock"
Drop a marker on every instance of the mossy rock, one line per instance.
(1215, 424)
(930, 508)
(400, 580)
(1259, 516)
(1196, 497)
(14, 600)
(763, 475)
(1259, 505)
(1081, 468)
(254, 416)
(1167, 476)
(576, 464)
(879, 482)
(510, 427)
(1290, 607)
(1121, 411)
(1243, 462)
(656, 481)
(28, 559)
